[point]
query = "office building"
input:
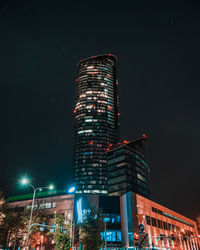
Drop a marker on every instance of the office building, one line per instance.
(198, 223)
(163, 227)
(131, 218)
(95, 122)
(128, 169)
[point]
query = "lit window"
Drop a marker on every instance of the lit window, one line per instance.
(85, 131)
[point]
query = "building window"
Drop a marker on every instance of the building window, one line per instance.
(170, 227)
(111, 236)
(106, 219)
(153, 222)
(173, 228)
(165, 225)
(160, 225)
(148, 222)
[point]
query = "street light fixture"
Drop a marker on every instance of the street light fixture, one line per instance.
(51, 187)
(25, 181)
(71, 190)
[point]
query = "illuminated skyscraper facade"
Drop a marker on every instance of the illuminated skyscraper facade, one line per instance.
(96, 123)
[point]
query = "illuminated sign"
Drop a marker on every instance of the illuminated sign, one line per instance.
(79, 210)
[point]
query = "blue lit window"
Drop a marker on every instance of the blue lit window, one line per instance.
(111, 236)
(106, 219)
(88, 153)
(118, 218)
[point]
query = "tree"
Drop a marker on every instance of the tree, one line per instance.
(39, 216)
(3, 232)
(11, 225)
(2, 202)
(61, 237)
(90, 230)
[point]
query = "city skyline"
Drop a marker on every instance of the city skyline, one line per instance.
(158, 50)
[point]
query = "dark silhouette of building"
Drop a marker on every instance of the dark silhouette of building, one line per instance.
(128, 169)
(95, 122)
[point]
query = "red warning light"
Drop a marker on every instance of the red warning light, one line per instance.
(74, 111)
(110, 145)
(109, 107)
(108, 149)
(118, 114)
(125, 141)
(144, 135)
(91, 142)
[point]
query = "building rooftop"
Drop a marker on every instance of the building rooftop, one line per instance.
(38, 195)
(98, 56)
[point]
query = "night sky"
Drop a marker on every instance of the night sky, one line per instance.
(158, 48)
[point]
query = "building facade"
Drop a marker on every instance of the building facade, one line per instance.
(165, 229)
(198, 223)
(128, 169)
(50, 204)
(123, 217)
(95, 122)
(109, 209)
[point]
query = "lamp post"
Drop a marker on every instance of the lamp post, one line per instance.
(71, 190)
(105, 236)
(26, 182)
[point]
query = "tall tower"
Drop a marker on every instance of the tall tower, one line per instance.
(95, 122)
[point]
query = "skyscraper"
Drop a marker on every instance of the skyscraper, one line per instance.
(95, 122)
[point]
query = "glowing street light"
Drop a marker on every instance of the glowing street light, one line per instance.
(71, 190)
(51, 187)
(25, 181)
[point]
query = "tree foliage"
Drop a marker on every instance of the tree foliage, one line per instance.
(2, 202)
(11, 227)
(90, 230)
(15, 223)
(62, 239)
(39, 217)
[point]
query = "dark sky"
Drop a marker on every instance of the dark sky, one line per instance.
(157, 45)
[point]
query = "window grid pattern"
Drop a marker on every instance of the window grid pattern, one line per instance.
(95, 122)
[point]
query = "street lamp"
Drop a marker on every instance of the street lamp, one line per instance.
(25, 181)
(71, 190)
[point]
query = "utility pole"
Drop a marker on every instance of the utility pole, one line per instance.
(72, 236)
(105, 237)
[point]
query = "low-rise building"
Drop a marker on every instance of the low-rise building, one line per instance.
(198, 223)
(50, 205)
(165, 228)
(52, 201)
(131, 220)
